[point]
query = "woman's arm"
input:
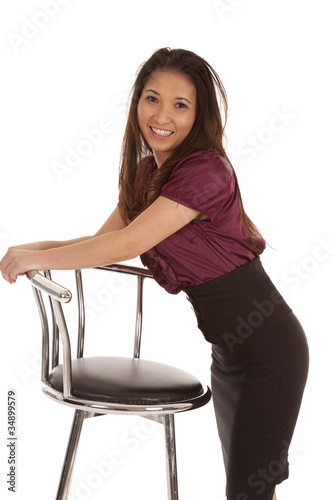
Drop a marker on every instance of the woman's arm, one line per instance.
(45, 245)
(161, 219)
(113, 223)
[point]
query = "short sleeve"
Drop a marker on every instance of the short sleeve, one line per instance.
(203, 182)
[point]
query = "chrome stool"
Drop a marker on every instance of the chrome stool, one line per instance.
(102, 385)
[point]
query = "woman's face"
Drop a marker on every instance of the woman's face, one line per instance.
(166, 112)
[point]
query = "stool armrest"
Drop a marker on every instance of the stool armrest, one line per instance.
(66, 348)
(57, 294)
(122, 268)
(53, 289)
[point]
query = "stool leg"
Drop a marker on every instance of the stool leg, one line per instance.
(170, 442)
(67, 469)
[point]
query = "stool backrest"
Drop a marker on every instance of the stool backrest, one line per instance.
(59, 295)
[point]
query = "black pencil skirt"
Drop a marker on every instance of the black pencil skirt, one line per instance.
(260, 361)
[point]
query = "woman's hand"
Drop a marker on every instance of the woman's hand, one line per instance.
(18, 261)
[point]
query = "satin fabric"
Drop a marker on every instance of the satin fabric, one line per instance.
(203, 249)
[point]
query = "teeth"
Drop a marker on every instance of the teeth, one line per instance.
(164, 133)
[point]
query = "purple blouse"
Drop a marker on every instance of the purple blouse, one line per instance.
(203, 249)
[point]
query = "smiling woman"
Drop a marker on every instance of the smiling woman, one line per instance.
(180, 209)
(165, 120)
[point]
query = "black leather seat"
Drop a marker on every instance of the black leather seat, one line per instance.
(127, 381)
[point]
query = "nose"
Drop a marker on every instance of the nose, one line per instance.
(162, 115)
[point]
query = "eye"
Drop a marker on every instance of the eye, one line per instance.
(151, 98)
(181, 105)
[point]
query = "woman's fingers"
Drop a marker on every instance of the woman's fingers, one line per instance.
(6, 267)
(17, 261)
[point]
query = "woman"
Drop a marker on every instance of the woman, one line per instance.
(181, 211)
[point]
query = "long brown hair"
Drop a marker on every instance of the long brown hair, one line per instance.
(137, 190)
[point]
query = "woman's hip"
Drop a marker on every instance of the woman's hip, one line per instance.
(232, 307)
(278, 346)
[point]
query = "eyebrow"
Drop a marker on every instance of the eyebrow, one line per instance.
(178, 98)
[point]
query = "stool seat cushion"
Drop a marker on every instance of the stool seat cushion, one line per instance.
(128, 381)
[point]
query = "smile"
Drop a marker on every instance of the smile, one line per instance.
(161, 133)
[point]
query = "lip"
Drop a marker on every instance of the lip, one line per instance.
(162, 137)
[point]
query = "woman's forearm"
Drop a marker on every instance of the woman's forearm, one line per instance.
(113, 223)
(90, 252)
(159, 221)
(46, 245)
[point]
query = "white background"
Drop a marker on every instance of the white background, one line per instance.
(66, 68)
